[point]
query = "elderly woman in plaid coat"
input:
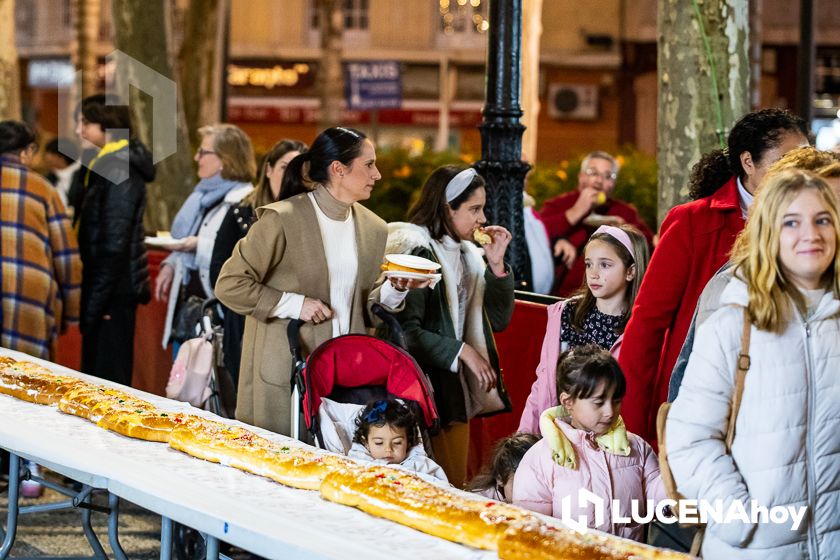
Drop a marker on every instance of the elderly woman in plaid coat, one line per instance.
(41, 270)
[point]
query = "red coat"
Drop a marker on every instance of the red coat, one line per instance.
(553, 214)
(695, 241)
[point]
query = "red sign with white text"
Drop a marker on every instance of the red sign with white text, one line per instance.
(309, 115)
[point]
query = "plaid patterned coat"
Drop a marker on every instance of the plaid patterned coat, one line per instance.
(39, 260)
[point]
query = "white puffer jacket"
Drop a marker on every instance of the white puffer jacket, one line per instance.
(786, 450)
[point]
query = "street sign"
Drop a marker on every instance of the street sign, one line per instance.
(373, 85)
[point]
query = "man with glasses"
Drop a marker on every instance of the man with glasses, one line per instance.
(572, 217)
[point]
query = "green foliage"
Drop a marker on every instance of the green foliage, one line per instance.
(403, 174)
(637, 183)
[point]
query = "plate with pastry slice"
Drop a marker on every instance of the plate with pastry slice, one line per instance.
(398, 262)
(163, 242)
(412, 267)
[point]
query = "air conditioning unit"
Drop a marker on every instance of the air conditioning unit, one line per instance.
(573, 101)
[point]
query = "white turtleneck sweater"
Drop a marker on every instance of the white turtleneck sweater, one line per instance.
(339, 238)
(342, 256)
(454, 259)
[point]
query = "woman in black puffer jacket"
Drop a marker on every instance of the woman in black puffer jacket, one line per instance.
(116, 270)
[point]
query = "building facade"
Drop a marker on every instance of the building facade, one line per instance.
(597, 81)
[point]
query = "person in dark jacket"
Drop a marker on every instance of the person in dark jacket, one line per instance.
(76, 191)
(115, 278)
(235, 225)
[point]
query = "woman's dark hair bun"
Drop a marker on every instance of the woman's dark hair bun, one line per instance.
(756, 133)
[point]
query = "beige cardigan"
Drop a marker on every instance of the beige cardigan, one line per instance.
(283, 252)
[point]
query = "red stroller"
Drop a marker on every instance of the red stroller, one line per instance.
(356, 369)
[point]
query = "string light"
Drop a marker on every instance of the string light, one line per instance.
(467, 13)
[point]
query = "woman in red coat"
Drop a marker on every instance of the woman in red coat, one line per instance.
(695, 241)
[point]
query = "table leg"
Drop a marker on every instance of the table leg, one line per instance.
(165, 538)
(12, 514)
(15, 508)
(212, 544)
(113, 527)
(90, 535)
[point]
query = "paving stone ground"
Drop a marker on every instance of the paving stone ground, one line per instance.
(59, 533)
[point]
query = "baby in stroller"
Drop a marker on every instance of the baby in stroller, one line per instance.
(387, 431)
(358, 388)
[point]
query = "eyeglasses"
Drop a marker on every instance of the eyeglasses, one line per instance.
(201, 153)
(605, 176)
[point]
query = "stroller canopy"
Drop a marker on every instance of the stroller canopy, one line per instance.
(359, 360)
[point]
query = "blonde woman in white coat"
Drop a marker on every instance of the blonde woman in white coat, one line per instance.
(786, 451)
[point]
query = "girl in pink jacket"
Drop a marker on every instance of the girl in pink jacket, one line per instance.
(616, 259)
(586, 446)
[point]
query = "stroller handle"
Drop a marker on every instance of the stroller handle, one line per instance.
(397, 334)
(293, 333)
(207, 304)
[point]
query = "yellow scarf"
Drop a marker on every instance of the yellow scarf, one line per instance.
(563, 453)
(108, 148)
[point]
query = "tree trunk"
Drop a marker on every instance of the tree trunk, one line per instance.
(330, 76)
(200, 64)
(531, 34)
(693, 117)
(9, 73)
(140, 33)
(87, 37)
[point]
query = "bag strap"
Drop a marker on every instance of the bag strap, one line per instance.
(742, 367)
(665, 473)
(668, 481)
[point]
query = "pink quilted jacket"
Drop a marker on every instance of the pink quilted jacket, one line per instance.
(540, 484)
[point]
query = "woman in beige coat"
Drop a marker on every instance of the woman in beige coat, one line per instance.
(315, 257)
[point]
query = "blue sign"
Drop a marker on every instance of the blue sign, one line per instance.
(373, 85)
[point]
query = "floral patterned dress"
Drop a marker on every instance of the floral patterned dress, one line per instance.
(598, 328)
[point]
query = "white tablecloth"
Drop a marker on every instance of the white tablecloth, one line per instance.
(246, 510)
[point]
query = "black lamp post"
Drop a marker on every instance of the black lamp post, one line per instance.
(501, 132)
(806, 56)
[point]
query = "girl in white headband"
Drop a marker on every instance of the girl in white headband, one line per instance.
(449, 329)
(616, 258)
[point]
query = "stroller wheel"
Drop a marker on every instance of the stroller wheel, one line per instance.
(188, 543)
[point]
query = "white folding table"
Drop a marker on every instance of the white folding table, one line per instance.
(223, 503)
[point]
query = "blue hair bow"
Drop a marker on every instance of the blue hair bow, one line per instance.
(375, 414)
